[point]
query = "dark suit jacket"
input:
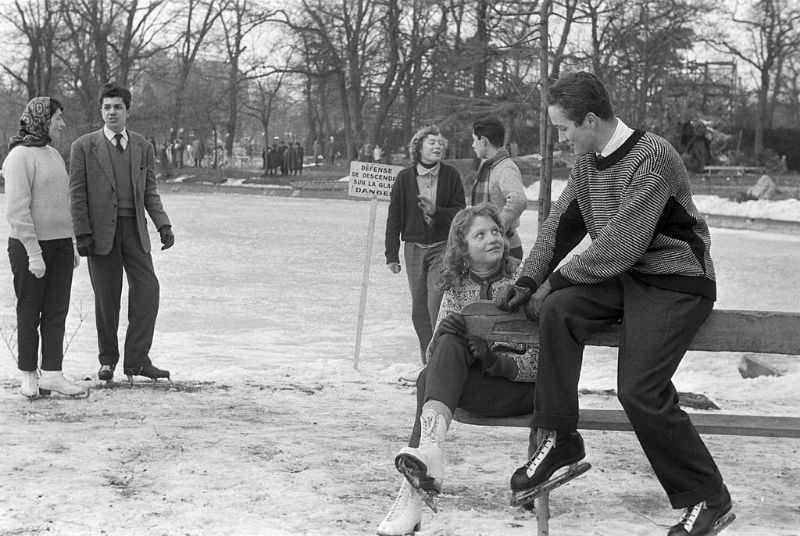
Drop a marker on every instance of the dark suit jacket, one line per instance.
(93, 190)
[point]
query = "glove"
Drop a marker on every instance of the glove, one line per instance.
(85, 245)
(453, 324)
(509, 297)
(530, 311)
(480, 352)
(167, 238)
(36, 265)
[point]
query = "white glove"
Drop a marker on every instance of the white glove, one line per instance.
(36, 265)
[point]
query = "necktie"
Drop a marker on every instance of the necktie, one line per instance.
(118, 142)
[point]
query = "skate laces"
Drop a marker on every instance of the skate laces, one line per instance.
(400, 505)
(541, 452)
(690, 516)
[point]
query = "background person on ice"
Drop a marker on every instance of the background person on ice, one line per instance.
(424, 199)
(112, 183)
(40, 246)
(649, 263)
(499, 180)
(491, 379)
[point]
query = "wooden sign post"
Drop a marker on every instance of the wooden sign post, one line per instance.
(374, 181)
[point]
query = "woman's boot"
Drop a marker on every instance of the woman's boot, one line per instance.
(54, 380)
(405, 515)
(424, 466)
(29, 386)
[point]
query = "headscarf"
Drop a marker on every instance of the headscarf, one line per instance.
(34, 124)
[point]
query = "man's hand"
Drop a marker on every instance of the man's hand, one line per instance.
(534, 306)
(509, 297)
(76, 258)
(453, 324)
(480, 352)
(427, 206)
(167, 238)
(36, 265)
(394, 267)
(84, 245)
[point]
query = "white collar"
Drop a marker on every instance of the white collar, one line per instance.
(620, 136)
(109, 134)
(422, 170)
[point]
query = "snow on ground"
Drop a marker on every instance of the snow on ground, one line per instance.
(271, 431)
(785, 210)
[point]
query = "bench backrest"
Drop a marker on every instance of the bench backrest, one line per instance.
(724, 331)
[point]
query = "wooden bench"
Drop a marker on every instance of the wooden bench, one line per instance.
(724, 331)
(734, 170)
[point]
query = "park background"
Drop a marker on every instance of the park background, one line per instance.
(269, 430)
(721, 80)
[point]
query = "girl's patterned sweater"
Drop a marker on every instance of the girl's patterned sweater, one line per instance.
(516, 362)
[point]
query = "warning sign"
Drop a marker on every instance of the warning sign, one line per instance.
(368, 179)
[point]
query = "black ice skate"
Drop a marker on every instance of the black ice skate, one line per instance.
(705, 519)
(555, 451)
(148, 371)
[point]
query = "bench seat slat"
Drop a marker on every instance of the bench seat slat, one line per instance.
(724, 331)
(616, 420)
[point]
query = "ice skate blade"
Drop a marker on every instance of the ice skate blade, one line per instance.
(153, 382)
(523, 497)
(416, 473)
(721, 524)
(413, 531)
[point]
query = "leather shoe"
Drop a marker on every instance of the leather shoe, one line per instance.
(106, 373)
(148, 371)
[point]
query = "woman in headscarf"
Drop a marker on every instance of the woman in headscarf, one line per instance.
(40, 246)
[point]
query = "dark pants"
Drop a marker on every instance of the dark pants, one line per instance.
(105, 272)
(658, 327)
(424, 271)
(450, 379)
(42, 304)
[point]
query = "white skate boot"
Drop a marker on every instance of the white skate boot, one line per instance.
(29, 386)
(405, 515)
(423, 466)
(54, 380)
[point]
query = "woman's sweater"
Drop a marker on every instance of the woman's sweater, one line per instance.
(37, 196)
(516, 362)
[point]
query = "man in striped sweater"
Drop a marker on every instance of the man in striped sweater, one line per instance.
(649, 265)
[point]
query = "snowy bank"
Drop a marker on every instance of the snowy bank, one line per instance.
(785, 210)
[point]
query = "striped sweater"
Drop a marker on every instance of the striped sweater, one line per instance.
(636, 206)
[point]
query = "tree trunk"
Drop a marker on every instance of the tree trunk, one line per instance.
(761, 121)
(545, 148)
(482, 46)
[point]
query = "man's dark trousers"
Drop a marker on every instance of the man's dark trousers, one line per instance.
(105, 272)
(658, 327)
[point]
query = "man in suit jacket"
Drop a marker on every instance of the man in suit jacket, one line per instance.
(112, 183)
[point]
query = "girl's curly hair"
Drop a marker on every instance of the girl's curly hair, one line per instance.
(415, 145)
(455, 264)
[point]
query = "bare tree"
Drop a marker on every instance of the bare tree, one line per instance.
(772, 31)
(262, 103)
(197, 18)
(37, 21)
(135, 38)
(239, 19)
(107, 40)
